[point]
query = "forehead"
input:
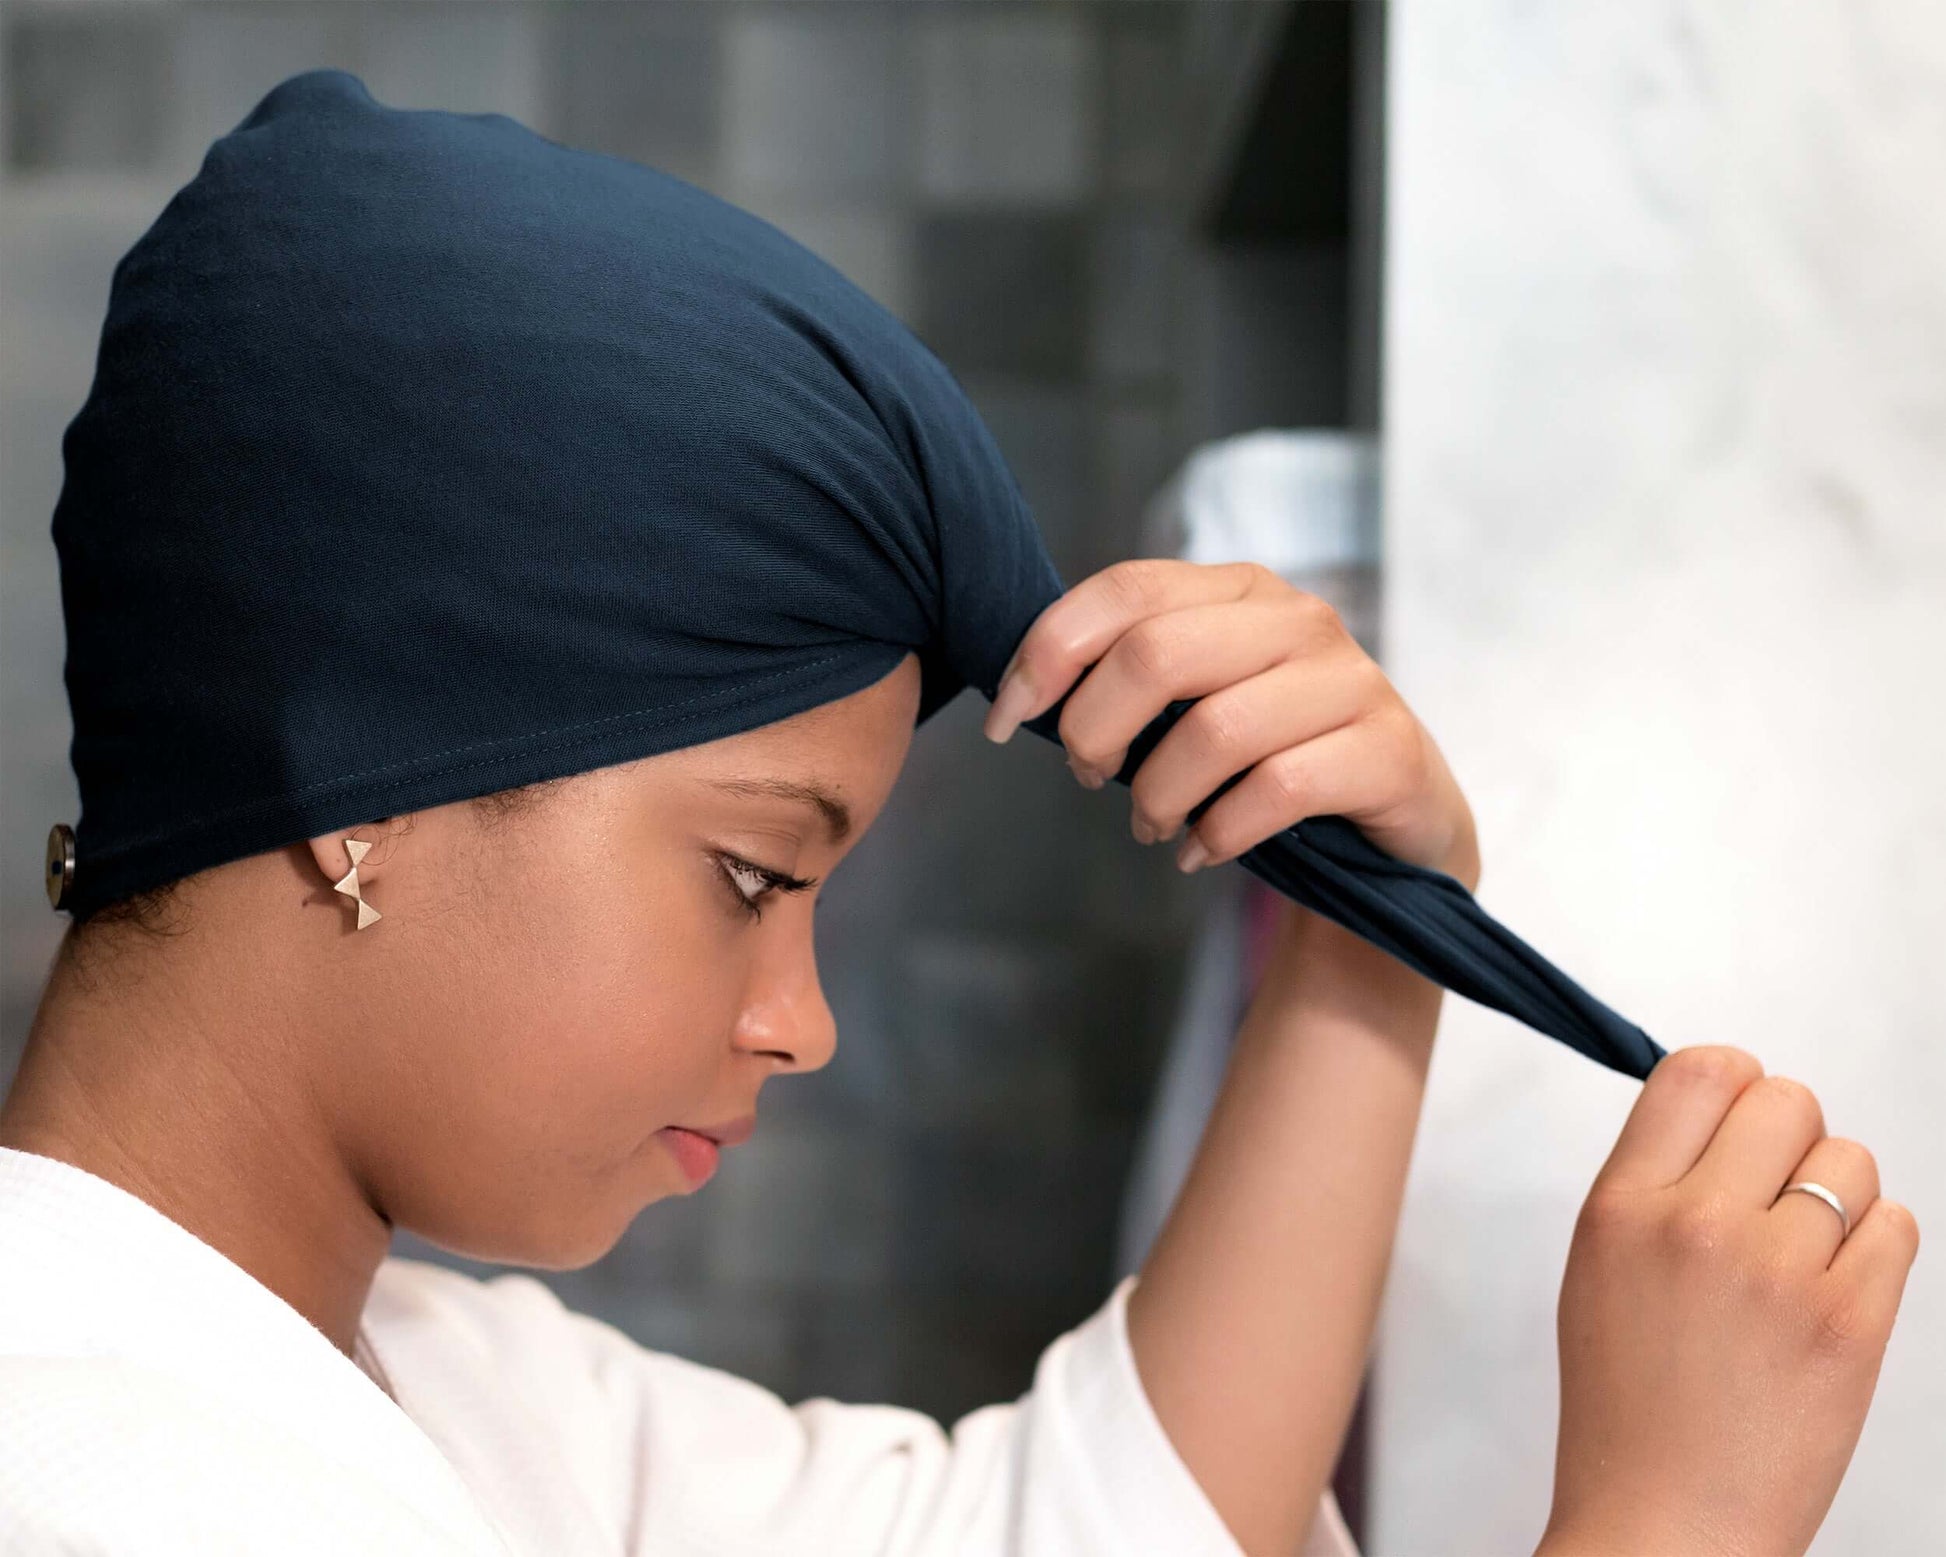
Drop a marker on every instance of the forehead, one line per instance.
(836, 762)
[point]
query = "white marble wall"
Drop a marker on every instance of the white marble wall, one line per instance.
(1666, 553)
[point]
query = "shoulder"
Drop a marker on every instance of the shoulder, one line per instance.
(417, 1297)
(440, 1320)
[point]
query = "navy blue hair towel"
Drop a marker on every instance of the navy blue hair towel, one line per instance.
(426, 457)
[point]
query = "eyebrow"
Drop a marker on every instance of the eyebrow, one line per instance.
(836, 814)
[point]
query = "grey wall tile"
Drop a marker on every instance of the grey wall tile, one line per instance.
(1143, 99)
(848, 1346)
(1008, 106)
(1009, 1214)
(1241, 297)
(992, 837)
(980, 1039)
(642, 82)
(410, 54)
(1139, 445)
(1042, 429)
(871, 243)
(463, 58)
(1118, 1033)
(1005, 291)
(957, 1352)
(35, 778)
(87, 90)
(1137, 263)
(814, 101)
(227, 56)
(801, 1207)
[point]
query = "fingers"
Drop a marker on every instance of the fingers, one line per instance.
(1231, 729)
(1770, 1127)
(1867, 1277)
(1077, 629)
(1683, 1102)
(1206, 652)
(1330, 774)
(1803, 1224)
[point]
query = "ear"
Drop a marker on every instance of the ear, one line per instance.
(337, 852)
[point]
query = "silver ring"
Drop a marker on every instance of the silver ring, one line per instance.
(1844, 1217)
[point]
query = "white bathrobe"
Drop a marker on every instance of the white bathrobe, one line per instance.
(156, 1399)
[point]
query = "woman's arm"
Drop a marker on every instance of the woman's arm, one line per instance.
(1254, 1312)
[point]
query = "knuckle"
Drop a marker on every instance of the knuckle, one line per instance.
(1080, 746)
(1901, 1223)
(1261, 579)
(1153, 648)
(1412, 758)
(1149, 803)
(1709, 1065)
(1289, 780)
(1608, 1215)
(1136, 582)
(1795, 1097)
(1852, 1160)
(1217, 836)
(1842, 1320)
(1320, 610)
(1694, 1229)
(1215, 723)
(1377, 685)
(1066, 644)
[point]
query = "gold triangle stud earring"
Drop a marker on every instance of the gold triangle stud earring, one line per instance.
(357, 848)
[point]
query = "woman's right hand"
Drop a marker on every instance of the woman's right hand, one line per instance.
(1719, 1345)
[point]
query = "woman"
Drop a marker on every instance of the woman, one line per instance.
(607, 548)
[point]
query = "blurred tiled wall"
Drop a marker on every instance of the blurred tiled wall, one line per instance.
(915, 1222)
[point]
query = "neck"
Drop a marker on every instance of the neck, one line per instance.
(209, 1120)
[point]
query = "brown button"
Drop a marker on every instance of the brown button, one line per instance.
(60, 863)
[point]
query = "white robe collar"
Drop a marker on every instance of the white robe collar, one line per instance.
(94, 1271)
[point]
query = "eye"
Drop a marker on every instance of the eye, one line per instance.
(737, 872)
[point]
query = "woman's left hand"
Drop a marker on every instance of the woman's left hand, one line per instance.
(1283, 689)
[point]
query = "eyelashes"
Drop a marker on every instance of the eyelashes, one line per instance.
(733, 869)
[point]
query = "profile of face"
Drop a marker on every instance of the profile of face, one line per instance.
(551, 1004)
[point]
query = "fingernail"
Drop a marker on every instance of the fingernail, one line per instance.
(1139, 825)
(1192, 856)
(1010, 705)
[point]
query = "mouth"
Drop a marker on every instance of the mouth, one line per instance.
(697, 1148)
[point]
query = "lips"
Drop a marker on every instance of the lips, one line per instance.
(695, 1154)
(697, 1147)
(735, 1133)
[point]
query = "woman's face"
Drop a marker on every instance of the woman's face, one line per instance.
(570, 992)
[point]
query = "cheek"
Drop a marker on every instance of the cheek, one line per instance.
(573, 1033)
(611, 1016)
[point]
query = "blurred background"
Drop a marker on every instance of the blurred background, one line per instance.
(1604, 353)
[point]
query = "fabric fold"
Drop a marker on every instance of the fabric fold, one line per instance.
(1425, 918)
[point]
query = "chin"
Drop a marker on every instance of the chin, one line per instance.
(544, 1240)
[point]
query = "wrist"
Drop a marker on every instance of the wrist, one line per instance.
(1318, 967)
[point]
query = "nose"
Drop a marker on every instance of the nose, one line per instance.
(786, 1017)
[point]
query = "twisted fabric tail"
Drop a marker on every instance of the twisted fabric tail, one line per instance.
(1425, 918)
